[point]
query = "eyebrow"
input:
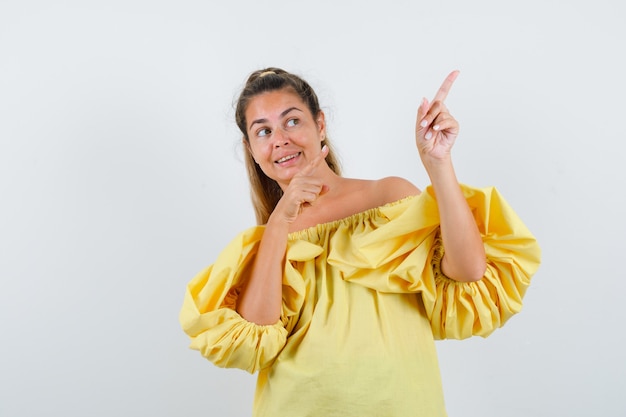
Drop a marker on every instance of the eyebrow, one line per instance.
(283, 114)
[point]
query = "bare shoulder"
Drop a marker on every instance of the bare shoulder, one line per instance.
(394, 188)
(349, 196)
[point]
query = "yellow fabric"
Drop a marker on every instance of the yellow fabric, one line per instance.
(363, 300)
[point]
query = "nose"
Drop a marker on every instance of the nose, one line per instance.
(281, 138)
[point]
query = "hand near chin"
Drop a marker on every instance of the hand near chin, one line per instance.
(436, 130)
(303, 189)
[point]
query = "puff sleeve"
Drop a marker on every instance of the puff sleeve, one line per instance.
(458, 310)
(403, 253)
(209, 318)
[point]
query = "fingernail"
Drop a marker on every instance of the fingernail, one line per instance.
(324, 148)
(424, 123)
(428, 135)
(436, 127)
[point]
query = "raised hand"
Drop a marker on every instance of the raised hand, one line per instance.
(303, 189)
(435, 128)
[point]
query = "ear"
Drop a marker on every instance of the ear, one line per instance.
(321, 125)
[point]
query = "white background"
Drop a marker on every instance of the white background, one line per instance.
(121, 177)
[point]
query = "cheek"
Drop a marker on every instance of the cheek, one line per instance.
(258, 151)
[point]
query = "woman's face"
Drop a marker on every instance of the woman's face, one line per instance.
(283, 135)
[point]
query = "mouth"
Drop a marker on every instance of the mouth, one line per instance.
(287, 158)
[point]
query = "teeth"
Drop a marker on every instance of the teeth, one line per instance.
(287, 158)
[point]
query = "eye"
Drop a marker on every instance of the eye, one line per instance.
(293, 122)
(263, 132)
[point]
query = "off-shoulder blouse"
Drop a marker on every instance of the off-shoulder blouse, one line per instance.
(364, 299)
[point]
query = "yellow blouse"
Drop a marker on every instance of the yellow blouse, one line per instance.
(363, 300)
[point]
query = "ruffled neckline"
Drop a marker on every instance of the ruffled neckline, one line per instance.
(312, 233)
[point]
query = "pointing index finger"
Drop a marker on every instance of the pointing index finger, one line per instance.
(308, 170)
(443, 91)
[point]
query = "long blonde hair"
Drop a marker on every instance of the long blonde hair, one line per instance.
(264, 191)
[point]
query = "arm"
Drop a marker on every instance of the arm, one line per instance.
(436, 131)
(261, 298)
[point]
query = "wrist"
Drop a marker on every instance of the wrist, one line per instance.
(436, 167)
(277, 222)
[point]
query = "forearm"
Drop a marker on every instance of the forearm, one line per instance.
(261, 298)
(464, 258)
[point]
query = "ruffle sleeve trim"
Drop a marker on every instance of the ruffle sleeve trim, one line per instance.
(209, 318)
(458, 310)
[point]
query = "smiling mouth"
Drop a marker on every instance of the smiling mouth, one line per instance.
(287, 158)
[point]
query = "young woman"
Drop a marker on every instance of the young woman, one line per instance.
(336, 297)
